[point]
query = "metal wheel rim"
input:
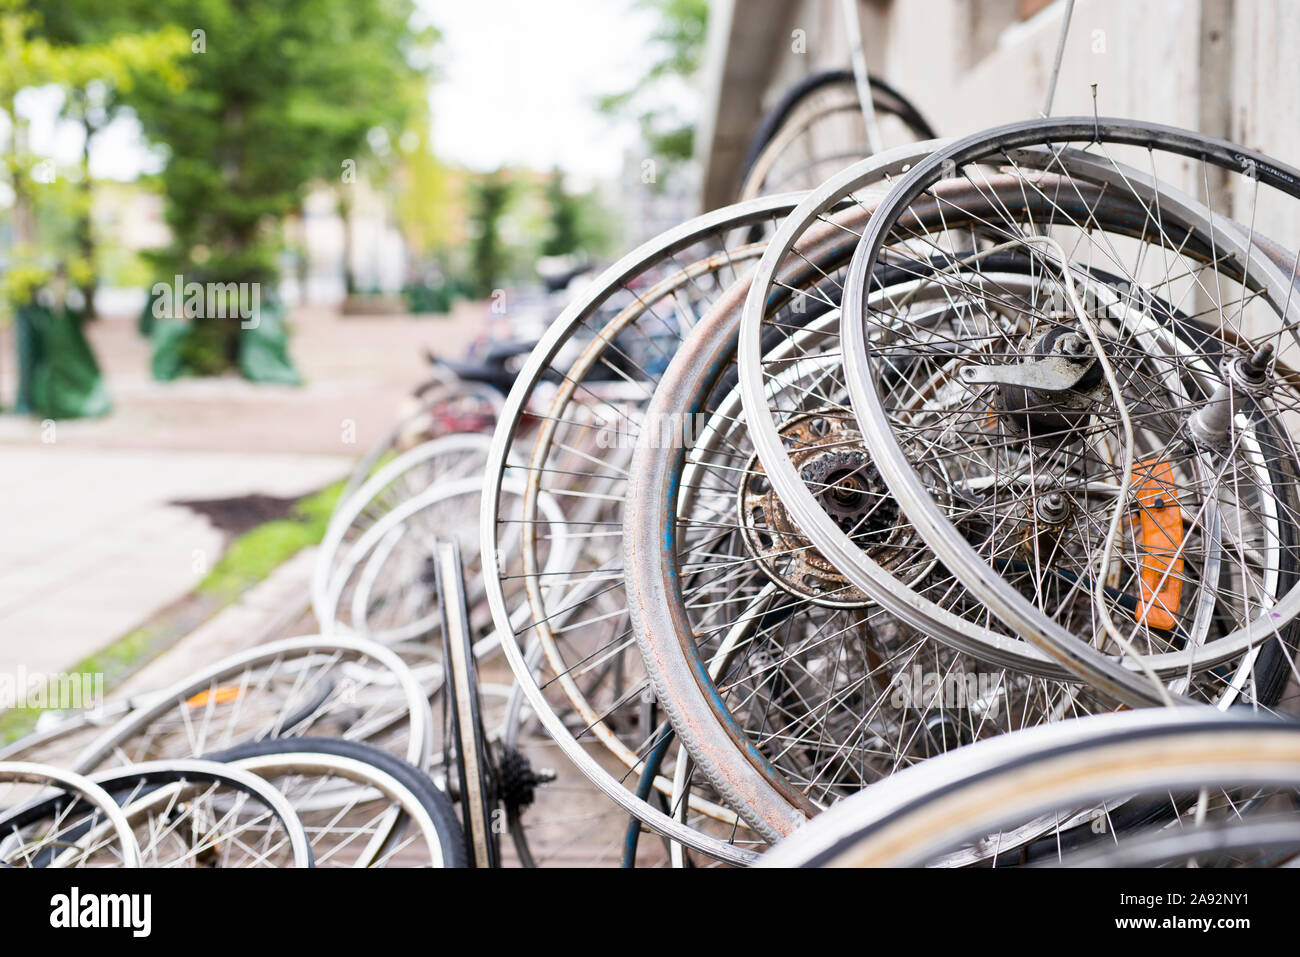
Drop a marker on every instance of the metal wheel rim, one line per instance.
(740, 216)
(1121, 681)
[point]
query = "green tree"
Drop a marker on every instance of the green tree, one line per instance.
(102, 52)
(380, 165)
(564, 233)
(279, 94)
(579, 222)
(677, 45)
(90, 73)
(489, 199)
(426, 210)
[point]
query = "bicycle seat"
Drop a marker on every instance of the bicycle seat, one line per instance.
(497, 376)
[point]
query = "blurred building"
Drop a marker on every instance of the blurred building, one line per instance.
(653, 196)
(377, 254)
(1223, 67)
(131, 218)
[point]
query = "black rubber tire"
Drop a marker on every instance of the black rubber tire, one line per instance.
(885, 97)
(433, 800)
(468, 736)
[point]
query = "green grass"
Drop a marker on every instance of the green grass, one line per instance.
(114, 663)
(248, 560)
(259, 551)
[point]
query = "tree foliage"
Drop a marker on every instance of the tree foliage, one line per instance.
(489, 199)
(39, 46)
(278, 95)
(677, 42)
(579, 222)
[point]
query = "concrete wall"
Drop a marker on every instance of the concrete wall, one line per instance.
(1225, 67)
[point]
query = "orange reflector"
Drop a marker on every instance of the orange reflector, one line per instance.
(220, 696)
(1161, 524)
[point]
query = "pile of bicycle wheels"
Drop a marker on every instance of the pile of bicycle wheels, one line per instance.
(944, 513)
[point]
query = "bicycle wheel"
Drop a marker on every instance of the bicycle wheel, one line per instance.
(816, 129)
(606, 351)
(789, 688)
(1160, 485)
(299, 686)
(191, 813)
(383, 587)
(925, 814)
(386, 577)
(46, 815)
(771, 400)
(360, 806)
(448, 459)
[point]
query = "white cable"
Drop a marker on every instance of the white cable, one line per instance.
(1126, 474)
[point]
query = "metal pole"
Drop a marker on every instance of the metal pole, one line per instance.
(859, 57)
(1060, 52)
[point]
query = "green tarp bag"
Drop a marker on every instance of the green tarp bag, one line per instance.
(167, 337)
(264, 349)
(58, 375)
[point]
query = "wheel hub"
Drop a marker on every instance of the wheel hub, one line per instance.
(1040, 413)
(829, 455)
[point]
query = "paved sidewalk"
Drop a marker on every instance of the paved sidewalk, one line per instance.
(91, 548)
(266, 612)
(92, 542)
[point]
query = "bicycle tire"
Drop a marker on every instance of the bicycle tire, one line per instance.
(431, 798)
(891, 101)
